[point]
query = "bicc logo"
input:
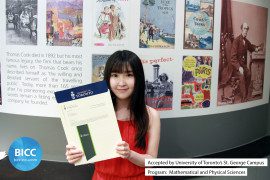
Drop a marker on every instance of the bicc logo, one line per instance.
(25, 153)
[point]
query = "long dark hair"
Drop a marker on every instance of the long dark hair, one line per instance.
(119, 62)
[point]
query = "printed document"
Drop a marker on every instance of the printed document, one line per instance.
(89, 121)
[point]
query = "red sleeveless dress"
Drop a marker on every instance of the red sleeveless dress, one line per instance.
(119, 168)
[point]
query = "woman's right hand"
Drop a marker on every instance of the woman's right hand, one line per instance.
(73, 154)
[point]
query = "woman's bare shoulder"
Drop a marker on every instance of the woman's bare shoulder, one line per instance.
(153, 114)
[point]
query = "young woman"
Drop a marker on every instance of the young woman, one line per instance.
(165, 90)
(139, 124)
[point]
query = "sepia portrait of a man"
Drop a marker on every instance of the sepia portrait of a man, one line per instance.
(242, 52)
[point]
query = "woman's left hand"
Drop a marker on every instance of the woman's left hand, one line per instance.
(123, 150)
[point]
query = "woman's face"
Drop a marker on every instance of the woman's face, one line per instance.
(106, 9)
(163, 78)
(122, 84)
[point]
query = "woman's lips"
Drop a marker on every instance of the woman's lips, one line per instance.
(122, 90)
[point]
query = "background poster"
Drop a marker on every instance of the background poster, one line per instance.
(157, 24)
(237, 51)
(98, 66)
(159, 82)
(196, 82)
(199, 24)
(32, 69)
(21, 22)
(64, 22)
(111, 23)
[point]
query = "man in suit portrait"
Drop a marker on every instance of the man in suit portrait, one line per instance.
(240, 47)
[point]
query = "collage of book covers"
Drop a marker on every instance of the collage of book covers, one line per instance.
(199, 56)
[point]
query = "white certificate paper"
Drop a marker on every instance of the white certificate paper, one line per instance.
(89, 121)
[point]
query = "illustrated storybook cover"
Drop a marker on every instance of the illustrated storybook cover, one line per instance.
(157, 24)
(196, 82)
(199, 24)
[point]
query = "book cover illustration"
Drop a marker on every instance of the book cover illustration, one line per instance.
(199, 24)
(157, 24)
(196, 82)
(98, 66)
(159, 82)
(111, 23)
(64, 22)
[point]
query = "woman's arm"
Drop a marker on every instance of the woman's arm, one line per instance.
(153, 142)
